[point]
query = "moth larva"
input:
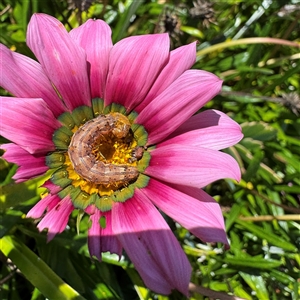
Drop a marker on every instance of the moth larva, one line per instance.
(86, 139)
(137, 154)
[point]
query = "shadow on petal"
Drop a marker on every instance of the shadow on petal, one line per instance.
(152, 254)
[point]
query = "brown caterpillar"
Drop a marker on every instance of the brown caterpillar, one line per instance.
(84, 141)
(137, 154)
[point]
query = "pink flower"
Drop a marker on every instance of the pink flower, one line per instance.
(114, 127)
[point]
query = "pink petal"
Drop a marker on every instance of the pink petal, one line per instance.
(53, 188)
(191, 166)
(206, 119)
(224, 133)
(29, 166)
(102, 239)
(94, 236)
(57, 218)
(134, 65)
(46, 203)
(181, 59)
(62, 59)
(94, 37)
(151, 245)
(177, 103)
(28, 123)
(192, 208)
(25, 78)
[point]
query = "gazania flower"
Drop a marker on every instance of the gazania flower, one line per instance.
(114, 127)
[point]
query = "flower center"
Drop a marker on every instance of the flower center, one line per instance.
(103, 151)
(100, 155)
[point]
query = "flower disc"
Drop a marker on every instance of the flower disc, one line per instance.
(100, 155)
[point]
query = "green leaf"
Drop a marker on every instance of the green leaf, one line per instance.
(289, 189)
(240, 292)
(139, 286)
(268, 236)
(251, 144)
(232, 216)
(287, 157)
(264, 170)
(129, 10)
(254, 165)
(258, 131)
(253, 262)
(36, 295)
(257, 284)
(282, 277)
(15, 193)
(36, 270)
(258, 70)
(8, 220)
(18, 36)
(58, 259)
(192, 31)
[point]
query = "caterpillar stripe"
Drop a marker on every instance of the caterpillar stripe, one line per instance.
(87, 137)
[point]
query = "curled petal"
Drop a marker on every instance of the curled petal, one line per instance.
(178, 103)
(191, 166)
(62, 59)
(28, 123)
(94, 36)
(181, 59)
(102, 239)
(151, 245)
(24, 78)
(29, 166)
(191, 207)
(134, 64)
(211, 129)
(57, 218)
(46, 203)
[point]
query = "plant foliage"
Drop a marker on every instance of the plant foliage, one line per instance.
(261, 92)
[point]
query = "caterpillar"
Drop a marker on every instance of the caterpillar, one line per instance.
(91, 134)
(137, 154)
